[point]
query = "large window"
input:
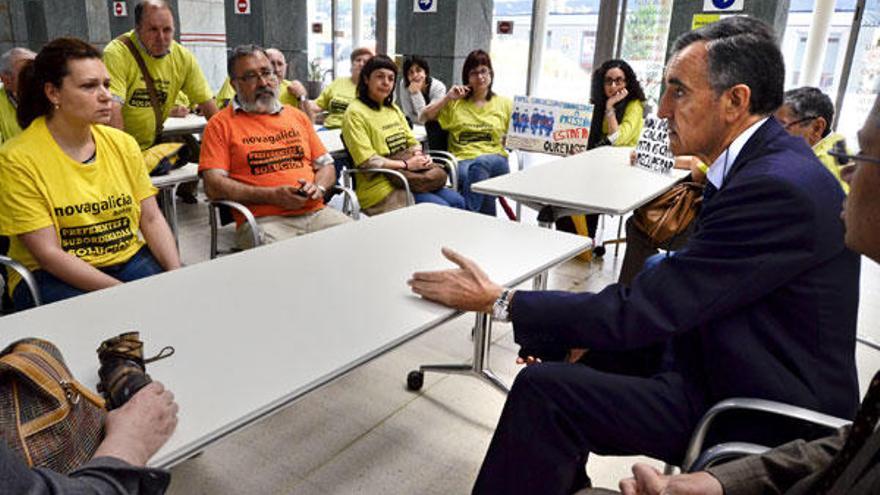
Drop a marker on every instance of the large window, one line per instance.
(794, 43)
(569, 44)
(320, 44)
(864, 75)
(510, 52)
(644, 42)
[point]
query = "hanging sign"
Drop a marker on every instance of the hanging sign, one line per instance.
(243, 7)
(723, 5)
(505, 27)
(425, 6)
(549, 126)
(317, 27)
(120, 9)
(652, 150)
(701, 20)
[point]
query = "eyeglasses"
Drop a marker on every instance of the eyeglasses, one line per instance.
(615, 81)
(251, 77)
(483, 72)
(799, 121)
(843, 158)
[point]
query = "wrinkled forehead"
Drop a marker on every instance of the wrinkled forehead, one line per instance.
(275, 56)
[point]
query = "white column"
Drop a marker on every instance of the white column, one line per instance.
(817, 42)
(357, 15)
(536, 46)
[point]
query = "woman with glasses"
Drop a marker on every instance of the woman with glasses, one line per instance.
(75, 193)
(808, 112)
(477, 120)
(376, 134)
(618, 113)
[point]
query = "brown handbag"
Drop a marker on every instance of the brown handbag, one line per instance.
(46, 416)
(427, 180)
(670, 214)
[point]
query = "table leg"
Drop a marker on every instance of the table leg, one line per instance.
(169, 209)
(479, 368)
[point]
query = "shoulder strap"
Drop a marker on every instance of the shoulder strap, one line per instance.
(148, 79)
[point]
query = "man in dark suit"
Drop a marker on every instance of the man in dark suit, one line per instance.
(842, 463)
(761, 302)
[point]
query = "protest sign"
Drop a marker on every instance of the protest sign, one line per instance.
(549, 126)
(652, 150)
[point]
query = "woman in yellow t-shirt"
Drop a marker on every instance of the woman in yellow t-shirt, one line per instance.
(477, 120)
(618, 114)
(377, 135)
(75, 192)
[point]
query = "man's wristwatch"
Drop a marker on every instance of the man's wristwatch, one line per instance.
(501, 307)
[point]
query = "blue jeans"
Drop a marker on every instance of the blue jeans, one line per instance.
(443, 196)
(52, 289)
(473, 171)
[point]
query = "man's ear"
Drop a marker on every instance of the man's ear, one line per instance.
(737, 101)
(818, 126)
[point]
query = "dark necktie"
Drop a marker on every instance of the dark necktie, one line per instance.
(862, 428)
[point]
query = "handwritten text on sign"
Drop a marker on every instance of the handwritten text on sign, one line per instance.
(652, 150)
(549, 126)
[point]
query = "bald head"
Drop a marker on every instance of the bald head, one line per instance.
(11, 63)
(154, 25)
(145, 7)
(279, 64)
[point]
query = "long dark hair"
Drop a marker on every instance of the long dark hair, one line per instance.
(50, 66)
(418, 62)
(372, 65)
(598, 98)
(475, 59)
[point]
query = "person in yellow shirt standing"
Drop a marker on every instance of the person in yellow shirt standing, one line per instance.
(140, 108)
(75, 194)
(808, 112)
(11, 63)
(342, 91)
(477, 120)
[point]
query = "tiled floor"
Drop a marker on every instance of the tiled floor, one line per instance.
(365, 433)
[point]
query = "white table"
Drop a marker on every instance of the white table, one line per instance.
(600, 180)
(191, 124)
(255, 330)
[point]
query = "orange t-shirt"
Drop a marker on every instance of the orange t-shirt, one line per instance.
(265, 150)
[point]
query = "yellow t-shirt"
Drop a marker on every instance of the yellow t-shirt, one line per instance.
(335, 99)
(8, 124)
(630, 127)
(178, 71)
(366, 133)
(227, 92)
(821, 150)
(94, 207)
(475, 131)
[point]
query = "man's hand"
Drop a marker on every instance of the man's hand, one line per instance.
(135, 431)
(310, 189)
(178, 111)
(289, 198)
(297, 89)
(467, 288)
(647, 480)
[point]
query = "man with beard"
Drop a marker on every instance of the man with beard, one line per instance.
(267, 155)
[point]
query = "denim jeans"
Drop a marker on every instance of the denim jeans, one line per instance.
(443, 196)
(52, 289)
(473, 171)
